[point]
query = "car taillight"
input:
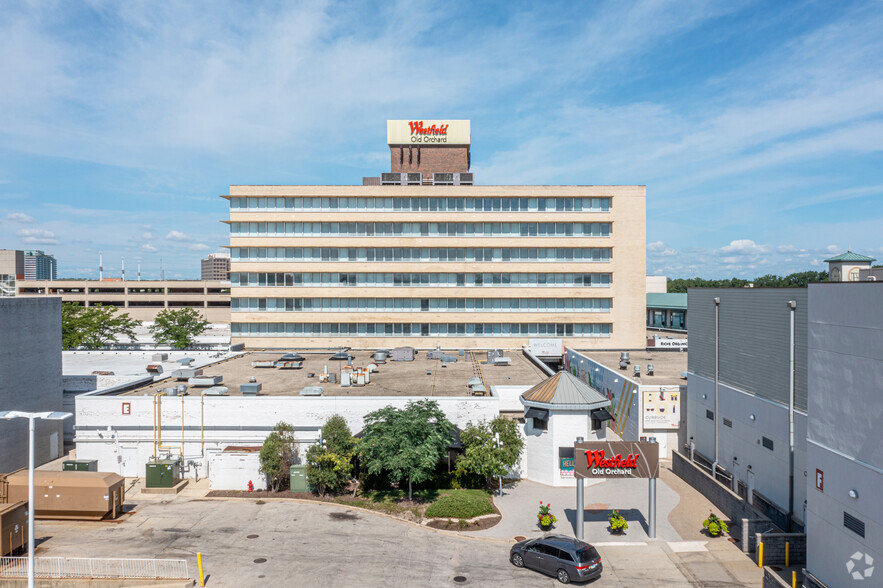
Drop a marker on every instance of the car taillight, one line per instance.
(591, 565)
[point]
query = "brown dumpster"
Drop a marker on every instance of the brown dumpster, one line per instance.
(69, 495)
(13, 527)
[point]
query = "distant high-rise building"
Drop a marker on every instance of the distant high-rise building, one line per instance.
(216, 267)
(39, 266)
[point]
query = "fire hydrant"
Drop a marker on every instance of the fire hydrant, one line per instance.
(250, 486)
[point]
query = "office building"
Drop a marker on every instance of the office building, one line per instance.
(12, 268)
(844, 446)
(747, 431)
(422, 256)
(216, 267)
(39, 266)
(30, 378)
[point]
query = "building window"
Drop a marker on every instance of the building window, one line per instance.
(835, 275)
(767, 442)
(853, 275)
(855, 525)
(709, 415)
(543, 425)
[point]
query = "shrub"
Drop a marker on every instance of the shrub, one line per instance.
(461, 504)
(714, 525)
(617, 522)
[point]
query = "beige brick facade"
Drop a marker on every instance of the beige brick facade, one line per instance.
(268, 222)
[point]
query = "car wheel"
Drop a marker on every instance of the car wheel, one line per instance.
(517, 560)
(563, 577)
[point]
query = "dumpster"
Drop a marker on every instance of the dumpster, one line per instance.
(299, 478)
(163, 473)
(80, 465)
(67, 495)
(13, 527)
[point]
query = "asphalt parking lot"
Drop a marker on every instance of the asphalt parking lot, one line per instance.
(245, 543)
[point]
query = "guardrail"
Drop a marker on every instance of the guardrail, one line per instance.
(86, 567)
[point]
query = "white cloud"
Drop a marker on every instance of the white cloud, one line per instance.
(832, 249)
(743, 247)
(149, 248)
(38, 236)
(20, 217)
(147, 235)
(198, 247)
(656, 246)
(178, 236)
(786, 249)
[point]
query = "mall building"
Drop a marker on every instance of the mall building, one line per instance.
(422, 256)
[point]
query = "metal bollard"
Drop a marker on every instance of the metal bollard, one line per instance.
(199, 564)
(787, 554)
(794, 579)
(760, 555)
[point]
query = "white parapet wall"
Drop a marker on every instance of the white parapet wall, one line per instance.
(119, 431)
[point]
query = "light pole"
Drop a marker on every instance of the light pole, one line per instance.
(32, 416)
(499, 445)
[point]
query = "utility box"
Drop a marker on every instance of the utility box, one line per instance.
(163, 473)
(80, 465)
(299, 479)
(13, 527)
(250, 388)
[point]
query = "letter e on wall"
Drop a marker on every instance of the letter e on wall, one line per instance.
(127, 408)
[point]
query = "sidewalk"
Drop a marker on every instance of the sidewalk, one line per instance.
(521, 500)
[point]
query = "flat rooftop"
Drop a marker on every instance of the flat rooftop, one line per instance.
(130, 363)
(667, 365)
(421, 377)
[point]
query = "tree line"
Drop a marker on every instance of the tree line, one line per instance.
(795, 280)
(399, 447)
(94, 327)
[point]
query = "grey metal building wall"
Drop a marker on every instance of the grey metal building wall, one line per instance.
(30, 377)
(844, 434)
(754, 339)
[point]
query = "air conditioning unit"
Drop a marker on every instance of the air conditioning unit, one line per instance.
(463, 179)
(443, 179)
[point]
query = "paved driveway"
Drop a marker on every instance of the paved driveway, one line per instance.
(309, 544)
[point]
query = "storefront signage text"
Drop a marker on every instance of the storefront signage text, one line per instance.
(616, 459)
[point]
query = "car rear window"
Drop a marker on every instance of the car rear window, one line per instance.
(587, 555)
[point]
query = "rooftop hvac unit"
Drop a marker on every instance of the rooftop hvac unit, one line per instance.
(650, 369)
(312, 391)
(154, 368)
(205, 381)
(463, 179)
(624, 356)
(390, 179)
(413, 179)
(186, 373)
(637, 371)
(181, 389)
(216, 391)
(160, 357)
(250, 389)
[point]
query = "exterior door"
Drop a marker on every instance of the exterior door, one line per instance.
(129, 462)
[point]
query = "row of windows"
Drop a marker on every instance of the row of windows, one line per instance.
(420, 253)
(242, 229)
(420, 304)
(418, 329)
(415, 279)
(423, 204)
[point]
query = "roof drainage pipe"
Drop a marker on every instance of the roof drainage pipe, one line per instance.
(537, 361)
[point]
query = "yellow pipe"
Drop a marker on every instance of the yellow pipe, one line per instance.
(201, 574)
(787, 554)
(760, 555)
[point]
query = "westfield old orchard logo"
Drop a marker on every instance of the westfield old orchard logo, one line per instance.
(417, 128)
(614, 465)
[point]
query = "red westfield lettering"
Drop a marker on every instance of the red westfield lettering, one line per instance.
(417, 128)
(596, 460)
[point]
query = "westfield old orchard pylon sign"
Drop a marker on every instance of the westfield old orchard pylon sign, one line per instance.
(616, 459)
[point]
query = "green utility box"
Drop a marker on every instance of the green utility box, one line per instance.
(299, 478)
(80, 465)
(163, 473)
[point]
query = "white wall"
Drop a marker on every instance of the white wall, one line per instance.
(232, 470)
(228, 420)
(541, 447)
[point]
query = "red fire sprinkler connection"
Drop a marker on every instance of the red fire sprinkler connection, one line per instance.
(250, 486)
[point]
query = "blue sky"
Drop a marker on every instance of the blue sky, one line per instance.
(757, 127)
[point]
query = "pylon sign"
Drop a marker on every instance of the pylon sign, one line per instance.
(616, 459)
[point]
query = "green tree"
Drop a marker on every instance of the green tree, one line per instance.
(93, 327)
(482, 456)
(405, 444)
(795, 280)
(330, 463)
(279, 451)
(178, 327)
